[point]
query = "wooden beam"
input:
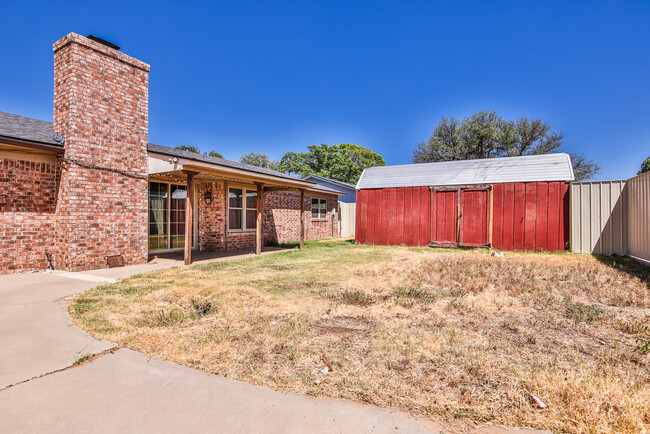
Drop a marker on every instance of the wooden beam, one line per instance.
(225, 215)
(260, 198)
(302, 218)
(189, 202)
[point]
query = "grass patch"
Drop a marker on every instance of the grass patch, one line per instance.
(584, 313)
(455, 334)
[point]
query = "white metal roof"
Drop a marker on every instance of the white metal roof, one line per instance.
(529, 168)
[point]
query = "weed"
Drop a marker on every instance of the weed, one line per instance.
(82, 359)
(165, 318)
(355, 298)
(644, 345)
(583, 312)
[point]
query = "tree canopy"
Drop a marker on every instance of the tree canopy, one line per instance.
(259, 159)
(344, 162)
(645, 166)
(486, 135)
(196, 150)
(189, 148)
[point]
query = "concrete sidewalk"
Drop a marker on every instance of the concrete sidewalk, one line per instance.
(41, 390)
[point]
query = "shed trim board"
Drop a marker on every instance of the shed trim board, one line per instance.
(507, 216)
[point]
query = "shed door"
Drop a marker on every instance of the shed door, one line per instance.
(474, 217)
(444, 217)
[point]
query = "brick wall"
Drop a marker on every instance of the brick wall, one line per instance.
(212, 217)
(27, 204)
(101, 108)
(280, 219)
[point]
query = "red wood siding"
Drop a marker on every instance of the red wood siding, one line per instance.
(531, 216)
(474, 217)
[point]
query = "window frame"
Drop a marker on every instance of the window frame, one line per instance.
(320, 202)
(245, 189)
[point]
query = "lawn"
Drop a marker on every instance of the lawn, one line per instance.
(458, 335)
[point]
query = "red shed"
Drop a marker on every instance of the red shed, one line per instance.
(510, 203)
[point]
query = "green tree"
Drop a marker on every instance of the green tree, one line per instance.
(259, 159)
(215, 154)
(486, 135)
(645, 166)
(189, 148)
(344, 162)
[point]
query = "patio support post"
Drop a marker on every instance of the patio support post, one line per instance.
(189, 201)
(260, 199)
(302, 218)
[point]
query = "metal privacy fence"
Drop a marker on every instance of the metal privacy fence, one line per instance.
(611, 217)
(638, 196)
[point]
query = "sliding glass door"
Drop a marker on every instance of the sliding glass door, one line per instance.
(167, 216)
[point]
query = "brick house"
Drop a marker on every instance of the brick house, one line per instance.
(89, 185)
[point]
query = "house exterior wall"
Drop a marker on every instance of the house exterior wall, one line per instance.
(526, 216)
(350, 193)
(280, 219)
(27, 204)
(101, 108)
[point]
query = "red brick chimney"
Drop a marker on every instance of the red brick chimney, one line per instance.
(101, 109)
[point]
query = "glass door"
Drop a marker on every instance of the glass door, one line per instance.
(167, 216)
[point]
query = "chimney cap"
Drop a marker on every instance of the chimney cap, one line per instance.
(103, 42)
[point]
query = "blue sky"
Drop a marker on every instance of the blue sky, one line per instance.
(273, 77)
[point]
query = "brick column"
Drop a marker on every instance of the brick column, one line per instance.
(101, 109)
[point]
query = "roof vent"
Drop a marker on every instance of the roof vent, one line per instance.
(103, 42)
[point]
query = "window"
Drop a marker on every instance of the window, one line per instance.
(242, 209)
(318, 208)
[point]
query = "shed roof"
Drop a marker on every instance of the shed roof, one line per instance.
(529, 168)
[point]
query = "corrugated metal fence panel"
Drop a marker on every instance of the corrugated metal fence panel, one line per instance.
(638, 190)
(599, 217)
(348, 219)
(530, 216)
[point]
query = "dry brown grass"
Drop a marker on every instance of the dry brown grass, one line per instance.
(455, 334)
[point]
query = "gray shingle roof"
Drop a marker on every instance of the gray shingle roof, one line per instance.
(529, 168)
(333, 181)
(160, 149)
(33, 130)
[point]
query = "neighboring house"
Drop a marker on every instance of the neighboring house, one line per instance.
(350, 190)
(510, 203)
(89, 185)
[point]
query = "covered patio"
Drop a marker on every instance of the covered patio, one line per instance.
(199, 205)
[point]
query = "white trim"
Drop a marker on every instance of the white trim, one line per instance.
(311, 209)
(244, 188)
